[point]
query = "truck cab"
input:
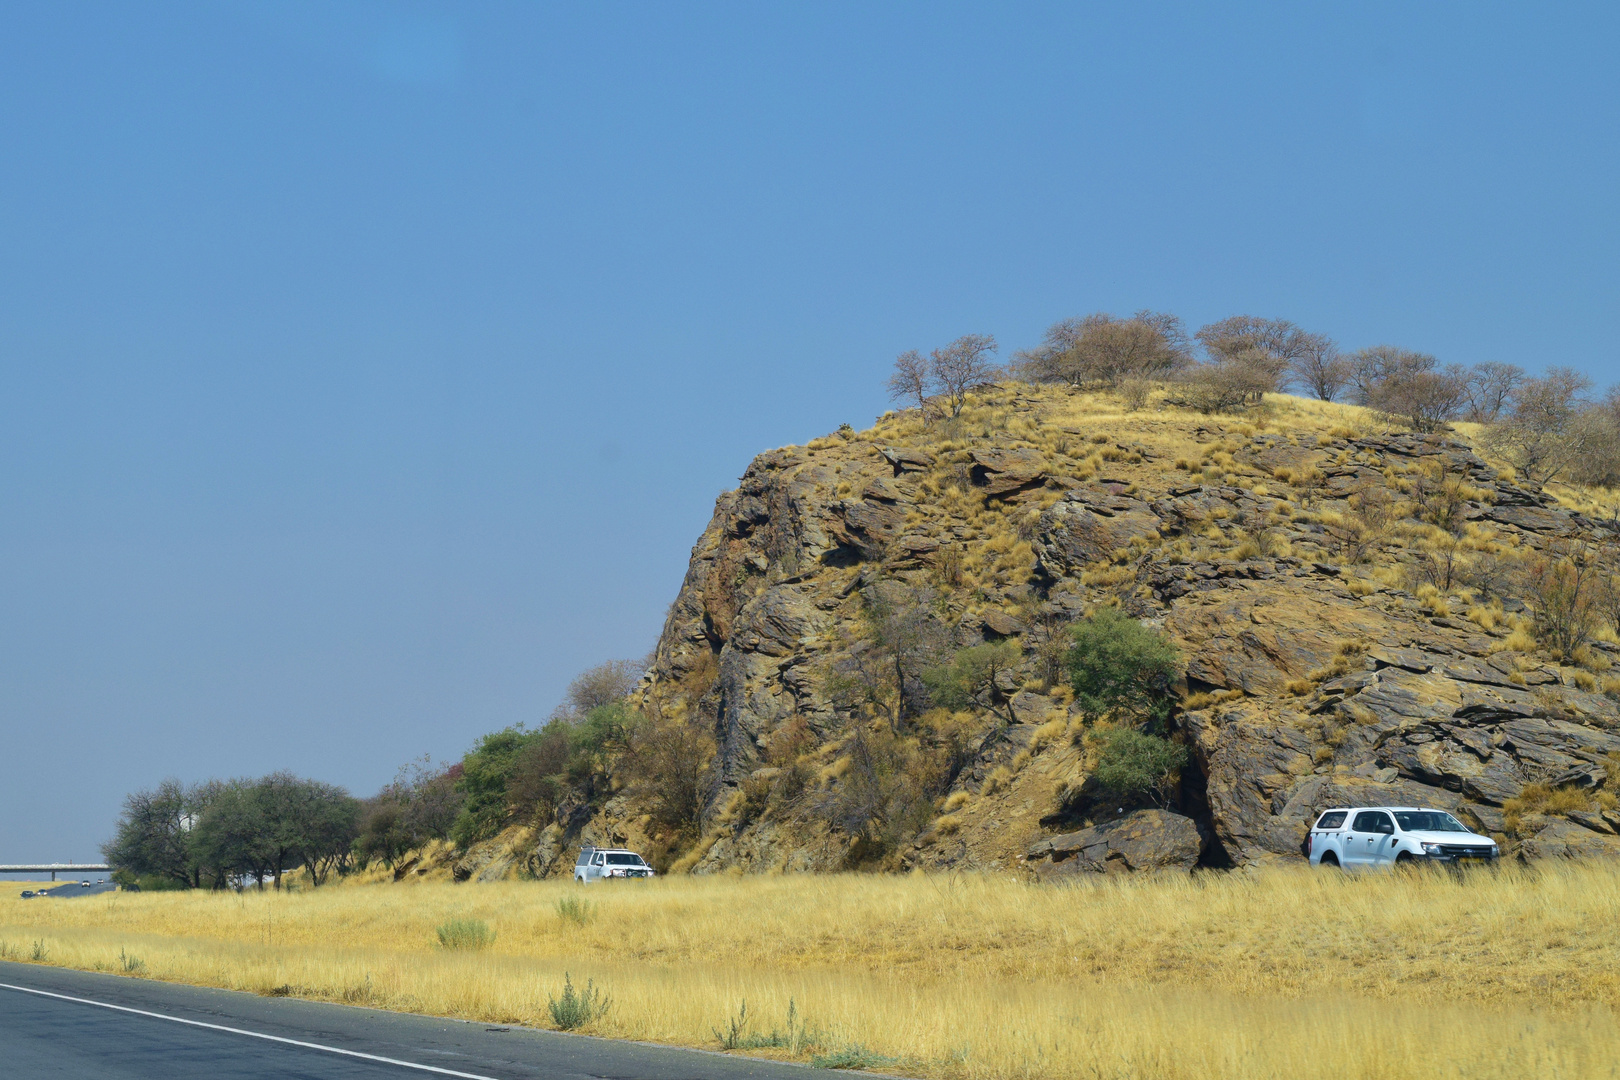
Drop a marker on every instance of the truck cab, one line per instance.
(1359, 837)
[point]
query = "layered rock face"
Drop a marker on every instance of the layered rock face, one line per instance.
(1315, 673)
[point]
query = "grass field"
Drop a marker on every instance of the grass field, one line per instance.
(11, 890)
(1285, 974)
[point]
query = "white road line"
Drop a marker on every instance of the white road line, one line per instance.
(253, 1034)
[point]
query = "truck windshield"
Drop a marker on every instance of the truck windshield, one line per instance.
(617, 859)
(1428, 821)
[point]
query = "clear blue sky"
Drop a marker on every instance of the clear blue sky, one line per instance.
(367, 370)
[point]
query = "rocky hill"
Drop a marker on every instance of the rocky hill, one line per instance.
(1348, 599)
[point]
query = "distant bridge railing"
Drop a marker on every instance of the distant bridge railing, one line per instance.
(52, 868)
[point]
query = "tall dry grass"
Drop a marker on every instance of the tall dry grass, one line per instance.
(1273, 974)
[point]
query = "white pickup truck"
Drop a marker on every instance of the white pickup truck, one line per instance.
(1362, 836)
(608, 864)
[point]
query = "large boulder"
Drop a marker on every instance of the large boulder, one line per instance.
(1089, 524)
(1140, 840)
(1562, 838)
(1006, 474)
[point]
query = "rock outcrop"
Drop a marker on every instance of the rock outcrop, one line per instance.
(1318, 672)
(1140, 840)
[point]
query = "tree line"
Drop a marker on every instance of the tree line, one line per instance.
(220, 833)
(231, 833)
(1549, 426)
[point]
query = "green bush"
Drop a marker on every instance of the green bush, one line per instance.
(575, 910)
(466, 934)
(852, 1057)
(1134, 764)
(576, 1008)
(1118, 665)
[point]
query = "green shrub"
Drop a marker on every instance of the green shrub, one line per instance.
(852, 1057)
(576, 1008)
(130, 965)
(576, 910)
(1134, 764)
(795, 1040)
(1118, 665)
(466, 934)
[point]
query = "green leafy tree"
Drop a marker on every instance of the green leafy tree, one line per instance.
(1133, 764)
(154, 835)
(1118, 665)
(263, 828)
(973, 673)
(485, 773)
(420, 804)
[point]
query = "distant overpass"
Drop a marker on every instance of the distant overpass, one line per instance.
(52, 868)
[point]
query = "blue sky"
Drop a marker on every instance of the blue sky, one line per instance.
(367, 370)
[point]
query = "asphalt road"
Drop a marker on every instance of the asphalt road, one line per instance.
(66, 890)
(165, 1032)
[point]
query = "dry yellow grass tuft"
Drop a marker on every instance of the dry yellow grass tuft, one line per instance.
(1273, 974)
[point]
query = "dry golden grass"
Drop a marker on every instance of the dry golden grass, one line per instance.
(1281, 973)
(12, 890)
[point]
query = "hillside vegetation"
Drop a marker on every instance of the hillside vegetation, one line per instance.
(872, 660)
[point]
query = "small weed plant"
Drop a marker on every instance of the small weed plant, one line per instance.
(130, 965)
(576, 1008)
(576, 910)
(852, 1057)
(796, 1038)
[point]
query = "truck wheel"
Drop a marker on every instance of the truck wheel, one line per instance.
(1404, 859)
(1329, 859)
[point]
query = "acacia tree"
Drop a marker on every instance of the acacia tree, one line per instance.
(1490, 389)
(1372, 368)
(1272, 346)
(974, 673)
(1320, 368)
(883, 674)
(418, 805)
(1426, 399)
(154, 836)
(1102, 349)
(910, 381)
(1118, 665)
(960, 366)
(1541, 433)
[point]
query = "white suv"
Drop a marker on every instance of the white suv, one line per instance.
(1385, 835)
(599, 864)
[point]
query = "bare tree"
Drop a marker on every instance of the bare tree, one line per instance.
(1425, 399)
(1371, 368)
(1103, 349)
(1221, 386)
(1319, 368)
(960, 366)
(1597, 430)
(1563, 585)
(1490, 388)
(1052, 360)
(910, 380)
(608, 682)
(1270, 345)
(1541, 433)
